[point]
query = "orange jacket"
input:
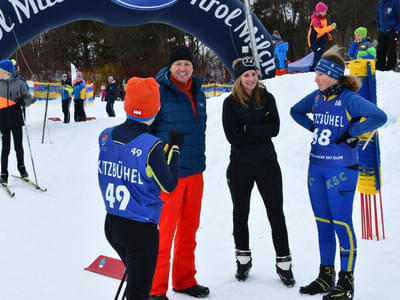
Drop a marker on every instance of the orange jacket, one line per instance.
(321, 30)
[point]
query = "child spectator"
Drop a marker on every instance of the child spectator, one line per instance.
(362, 47)
(281, 47)
(319, 32)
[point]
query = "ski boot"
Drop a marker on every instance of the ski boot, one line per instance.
(323, 284)
(22, 171)
(344, 289)
(284, 270)
(244, 264)
(4, 178)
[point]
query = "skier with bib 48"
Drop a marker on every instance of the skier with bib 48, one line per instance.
(333, 169)
(132, 171)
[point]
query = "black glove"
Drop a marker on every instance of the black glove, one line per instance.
(348, 139)
(176, 138)
(20, 101)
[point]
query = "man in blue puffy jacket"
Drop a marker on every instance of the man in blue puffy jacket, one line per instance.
(388, 22)
(183, 108)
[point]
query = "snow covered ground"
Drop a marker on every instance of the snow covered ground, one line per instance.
(47, 239)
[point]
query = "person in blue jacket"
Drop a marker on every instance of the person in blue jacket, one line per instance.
(361, 47)
(336, 110)
(79, 94)
(66, 93)
(132, 171)
(183, 107)
(388, 23)
(281, 47)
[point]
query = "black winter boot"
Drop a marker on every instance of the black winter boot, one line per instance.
(197, 291)
(323, 284)
(284, 270)
(344, 289)
(244, 264)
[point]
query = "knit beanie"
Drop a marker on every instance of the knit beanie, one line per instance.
(6, 65)
(362, 31)
(142, 98)
(321, 7)
(180, 52)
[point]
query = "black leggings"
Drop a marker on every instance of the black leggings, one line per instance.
(267, 175)
(137, 245)
(65, 108)
(6, 146)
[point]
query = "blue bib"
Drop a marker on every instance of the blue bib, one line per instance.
(331, 122)
(126, 189)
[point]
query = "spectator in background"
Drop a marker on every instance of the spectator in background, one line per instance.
(361, 47)
(14, 94)
(183, 108)
(388, 21)
(281, 47)
(103, 92)
(319, 32)
(79, 94)
(66, 94)
(111, 95)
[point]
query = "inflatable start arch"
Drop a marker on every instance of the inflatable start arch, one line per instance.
(221, 25)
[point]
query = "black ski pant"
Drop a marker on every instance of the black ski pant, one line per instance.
(137, 245)
(110, 108)
(65, 108)
(386, 56)
(6, 146)
(267, 175)
(79, 112)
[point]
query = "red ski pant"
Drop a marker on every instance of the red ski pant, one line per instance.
(180, 218)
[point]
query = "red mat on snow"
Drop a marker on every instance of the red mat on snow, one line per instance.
(54, 119)
(90, 118)
(107, 266)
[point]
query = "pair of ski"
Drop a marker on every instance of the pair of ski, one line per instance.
(24, 179)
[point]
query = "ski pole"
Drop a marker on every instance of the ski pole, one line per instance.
(368, 140)
(45, 111)
(30, 150)
(120, 286)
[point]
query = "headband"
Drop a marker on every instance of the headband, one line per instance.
(330, 68)
(243, 66)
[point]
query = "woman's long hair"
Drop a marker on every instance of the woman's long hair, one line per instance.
(239, 93)
(333, 54)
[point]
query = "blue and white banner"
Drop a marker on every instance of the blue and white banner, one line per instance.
(221, 25)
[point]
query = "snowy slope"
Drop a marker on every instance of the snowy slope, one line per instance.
(47, 239)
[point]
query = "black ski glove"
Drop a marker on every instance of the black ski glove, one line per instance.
(348, 139)
(20, 101)
(176, 138)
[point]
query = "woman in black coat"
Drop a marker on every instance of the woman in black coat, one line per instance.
(250, 119)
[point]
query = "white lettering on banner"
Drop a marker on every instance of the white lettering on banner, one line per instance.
(3, 25)
(222, 12)
(118, 170)
(25, 6)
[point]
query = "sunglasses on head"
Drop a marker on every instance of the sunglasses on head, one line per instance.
(248, 62)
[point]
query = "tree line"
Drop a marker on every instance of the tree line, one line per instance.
(100, 50)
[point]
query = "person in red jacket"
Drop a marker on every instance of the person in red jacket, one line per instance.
(319, 32)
